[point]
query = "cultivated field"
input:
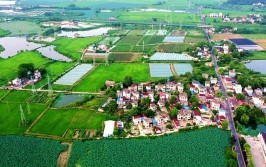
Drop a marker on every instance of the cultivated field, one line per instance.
(124, 57)
(127, 43)
(28, 151)
(161, 16)
(219, 37)
(116, 72)
(172, 48)
(73, 48)
(186, 148)
(10, 116)
(261, 42)
(52, 123)
(151, 40)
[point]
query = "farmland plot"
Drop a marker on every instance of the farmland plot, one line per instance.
(180, 149)
(28, 151)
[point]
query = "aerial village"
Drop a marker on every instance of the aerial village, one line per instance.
(173, 109)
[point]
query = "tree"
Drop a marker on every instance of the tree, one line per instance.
(129, 106)
(150, 114)
(112, 107)
(244, 119)
(173, 113)
(169, 126)
(134, 111)
(128, 81)
(23, 70)
(240, 96)
(194, 100)
(215, 112)
(178, 106)
(225, 124)
(230, 94)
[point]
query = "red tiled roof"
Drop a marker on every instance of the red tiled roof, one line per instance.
(176, 122)
(136, 117)
(197, 113)
(222, 117)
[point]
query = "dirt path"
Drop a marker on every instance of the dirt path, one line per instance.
(64, 156)
(173, 69)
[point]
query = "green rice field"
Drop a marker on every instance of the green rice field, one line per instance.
(52, 123)
(116, 72)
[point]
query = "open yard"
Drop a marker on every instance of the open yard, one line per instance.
(180, 149)
(116, 72)
(73, 47)
(57, 121)
(10, 116)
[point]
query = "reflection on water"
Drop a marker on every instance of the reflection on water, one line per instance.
(50, 53)
(13, 45)
(257, 66)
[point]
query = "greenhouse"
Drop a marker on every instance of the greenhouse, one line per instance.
(170, 56)
(183, 68)
(160, 70)
(74, 75)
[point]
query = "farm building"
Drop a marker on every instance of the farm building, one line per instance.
(245, 44)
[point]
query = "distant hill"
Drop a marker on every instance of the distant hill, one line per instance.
(246, 2)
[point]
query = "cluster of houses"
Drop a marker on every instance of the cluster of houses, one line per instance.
(202, 116)
(19, 83)
(204, 52)
(251, 18)
(254, 97)
(224, 49)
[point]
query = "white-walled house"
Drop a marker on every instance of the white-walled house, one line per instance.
(257, 101)
(215, 105)
(237, 88)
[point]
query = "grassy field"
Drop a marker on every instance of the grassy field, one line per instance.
(116, 72)
(124, 57)
(258, 56)
(57, 121)
(17, 96)
(172, 48)
(254, 36)
(148, 16)
(9, 67)
(179, 149)
(22, 28)
(4, 33)
(73, 47)
(1, 48)
(10, 116)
